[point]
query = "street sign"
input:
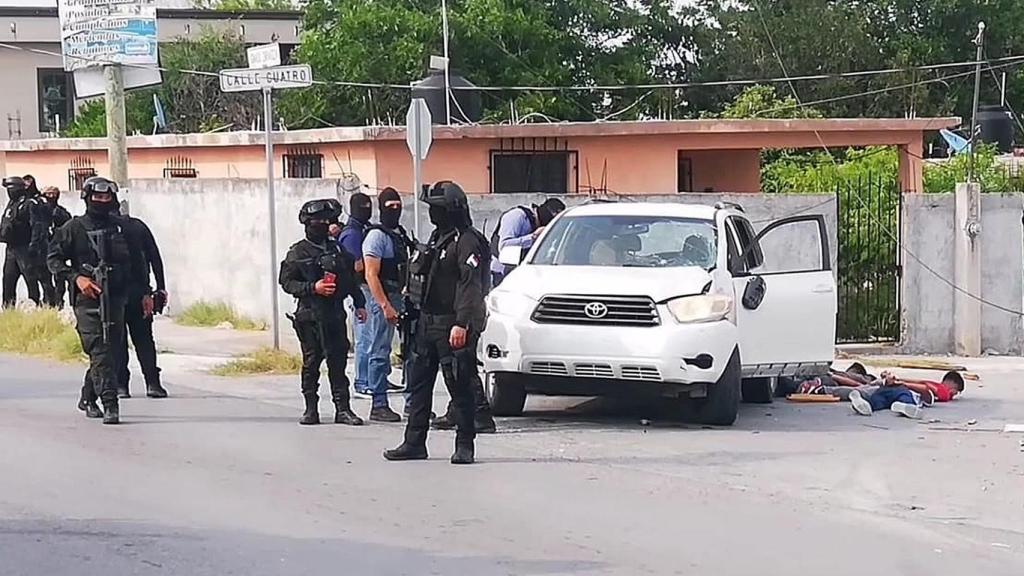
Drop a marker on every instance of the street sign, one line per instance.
(249, 79)
(418, 133)
(266, 56)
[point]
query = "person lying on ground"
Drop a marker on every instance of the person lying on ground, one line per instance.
(952, 385)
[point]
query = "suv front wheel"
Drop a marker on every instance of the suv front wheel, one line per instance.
(722, 403)
(506, 393)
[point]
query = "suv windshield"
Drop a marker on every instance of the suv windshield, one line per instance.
(633, 241)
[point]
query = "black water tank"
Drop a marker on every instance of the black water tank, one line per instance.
(996, 124)
(466, 106)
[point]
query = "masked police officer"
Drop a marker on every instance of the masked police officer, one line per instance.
(24, 230)
(319, 275)
(93, 253)
(56, 216)
(143, 303)
(449, 278)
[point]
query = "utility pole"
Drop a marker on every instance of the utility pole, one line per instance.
(447, 69)
(966, 241)
(117, 131)
(979, 40)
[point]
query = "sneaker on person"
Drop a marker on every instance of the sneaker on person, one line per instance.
(859, 404)
(904, 409)
(363, 392)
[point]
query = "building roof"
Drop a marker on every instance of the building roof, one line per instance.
(499, 131)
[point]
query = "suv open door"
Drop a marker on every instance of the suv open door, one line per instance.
(785, 295)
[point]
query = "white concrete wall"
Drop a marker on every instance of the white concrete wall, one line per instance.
(928, 230)
(214, 235)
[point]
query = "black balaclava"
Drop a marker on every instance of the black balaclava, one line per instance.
(360, 207)
(316, 232)
(31, 189)
(101, 210)
(51, 201)
(389, 217)
(547, 211)
(440, 217)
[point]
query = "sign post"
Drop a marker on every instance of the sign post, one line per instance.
(266, 79)
(418, 135)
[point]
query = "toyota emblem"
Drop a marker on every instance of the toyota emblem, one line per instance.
(595, 310)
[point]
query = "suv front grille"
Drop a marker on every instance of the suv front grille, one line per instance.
(597, 310)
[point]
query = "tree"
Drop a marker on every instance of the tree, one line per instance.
(492, 43)
(190, 92)
(247, 5)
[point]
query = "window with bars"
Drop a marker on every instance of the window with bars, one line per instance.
(55, 93)
(303, 163)
(545, 172)
(81, 170)
(180, 167)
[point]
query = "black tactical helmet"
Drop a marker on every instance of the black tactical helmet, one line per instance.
(14, 183)
(98, 185)
(448, 195)
(326, 209)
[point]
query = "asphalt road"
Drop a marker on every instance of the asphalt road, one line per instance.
(220, 480)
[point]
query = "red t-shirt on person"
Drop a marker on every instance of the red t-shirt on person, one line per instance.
(942, 392)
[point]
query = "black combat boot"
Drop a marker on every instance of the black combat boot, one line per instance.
(123, 392)
(406, 452)
(312, 414)
(444, 422)
(343, 414)
(90, 408)
(384, 414)
(155, 390)
(463, 454)
(111, 414)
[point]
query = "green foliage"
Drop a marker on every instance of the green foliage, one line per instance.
(492, 42)
(211, 314)
(39, 332)
(192, 102)
(262, 361)
(764, 102)
(246, 5)
(942, 177)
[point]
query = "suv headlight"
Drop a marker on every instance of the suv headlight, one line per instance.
(510, 303)
(703, 308)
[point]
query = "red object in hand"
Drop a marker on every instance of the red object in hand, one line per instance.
(330, 277)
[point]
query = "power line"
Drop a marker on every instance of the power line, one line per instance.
(871, 215)
(1005, 61)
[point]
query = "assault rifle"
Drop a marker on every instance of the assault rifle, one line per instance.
(100, 274)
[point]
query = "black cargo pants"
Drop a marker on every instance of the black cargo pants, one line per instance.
(104, 356)
(323, 339)
(140, 328)
(431, 354)
(18, 263)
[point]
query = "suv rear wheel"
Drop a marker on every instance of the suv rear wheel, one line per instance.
(758, 390)
(506, 393)
(722, 403)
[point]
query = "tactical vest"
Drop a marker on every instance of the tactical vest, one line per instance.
(394, 270)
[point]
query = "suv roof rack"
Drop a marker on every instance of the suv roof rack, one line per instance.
(723, 205)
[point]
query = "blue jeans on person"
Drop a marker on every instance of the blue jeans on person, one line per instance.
(884, 398)
(381, 334)
(360, 331)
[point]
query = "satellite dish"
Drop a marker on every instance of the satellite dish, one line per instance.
(956, 142)
(159, 120)
(350, 183)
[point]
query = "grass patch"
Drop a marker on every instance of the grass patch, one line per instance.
(212, 314)
(39, 332)
(262, 361)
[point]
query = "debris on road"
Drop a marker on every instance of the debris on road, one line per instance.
(811, 398)
(972, 422)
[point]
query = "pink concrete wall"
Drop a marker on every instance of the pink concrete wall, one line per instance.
(635, 164)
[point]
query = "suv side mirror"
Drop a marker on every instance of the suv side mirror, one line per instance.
(511, 255)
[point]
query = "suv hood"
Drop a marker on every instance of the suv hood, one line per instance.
(658, 283)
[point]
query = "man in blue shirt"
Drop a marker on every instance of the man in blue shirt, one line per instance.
(520, 226)
(385, 256)
(351, 242)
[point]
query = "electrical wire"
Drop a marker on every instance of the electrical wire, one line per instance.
(881, 225)
(1004, 62)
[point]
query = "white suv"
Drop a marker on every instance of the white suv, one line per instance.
(681, 300)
